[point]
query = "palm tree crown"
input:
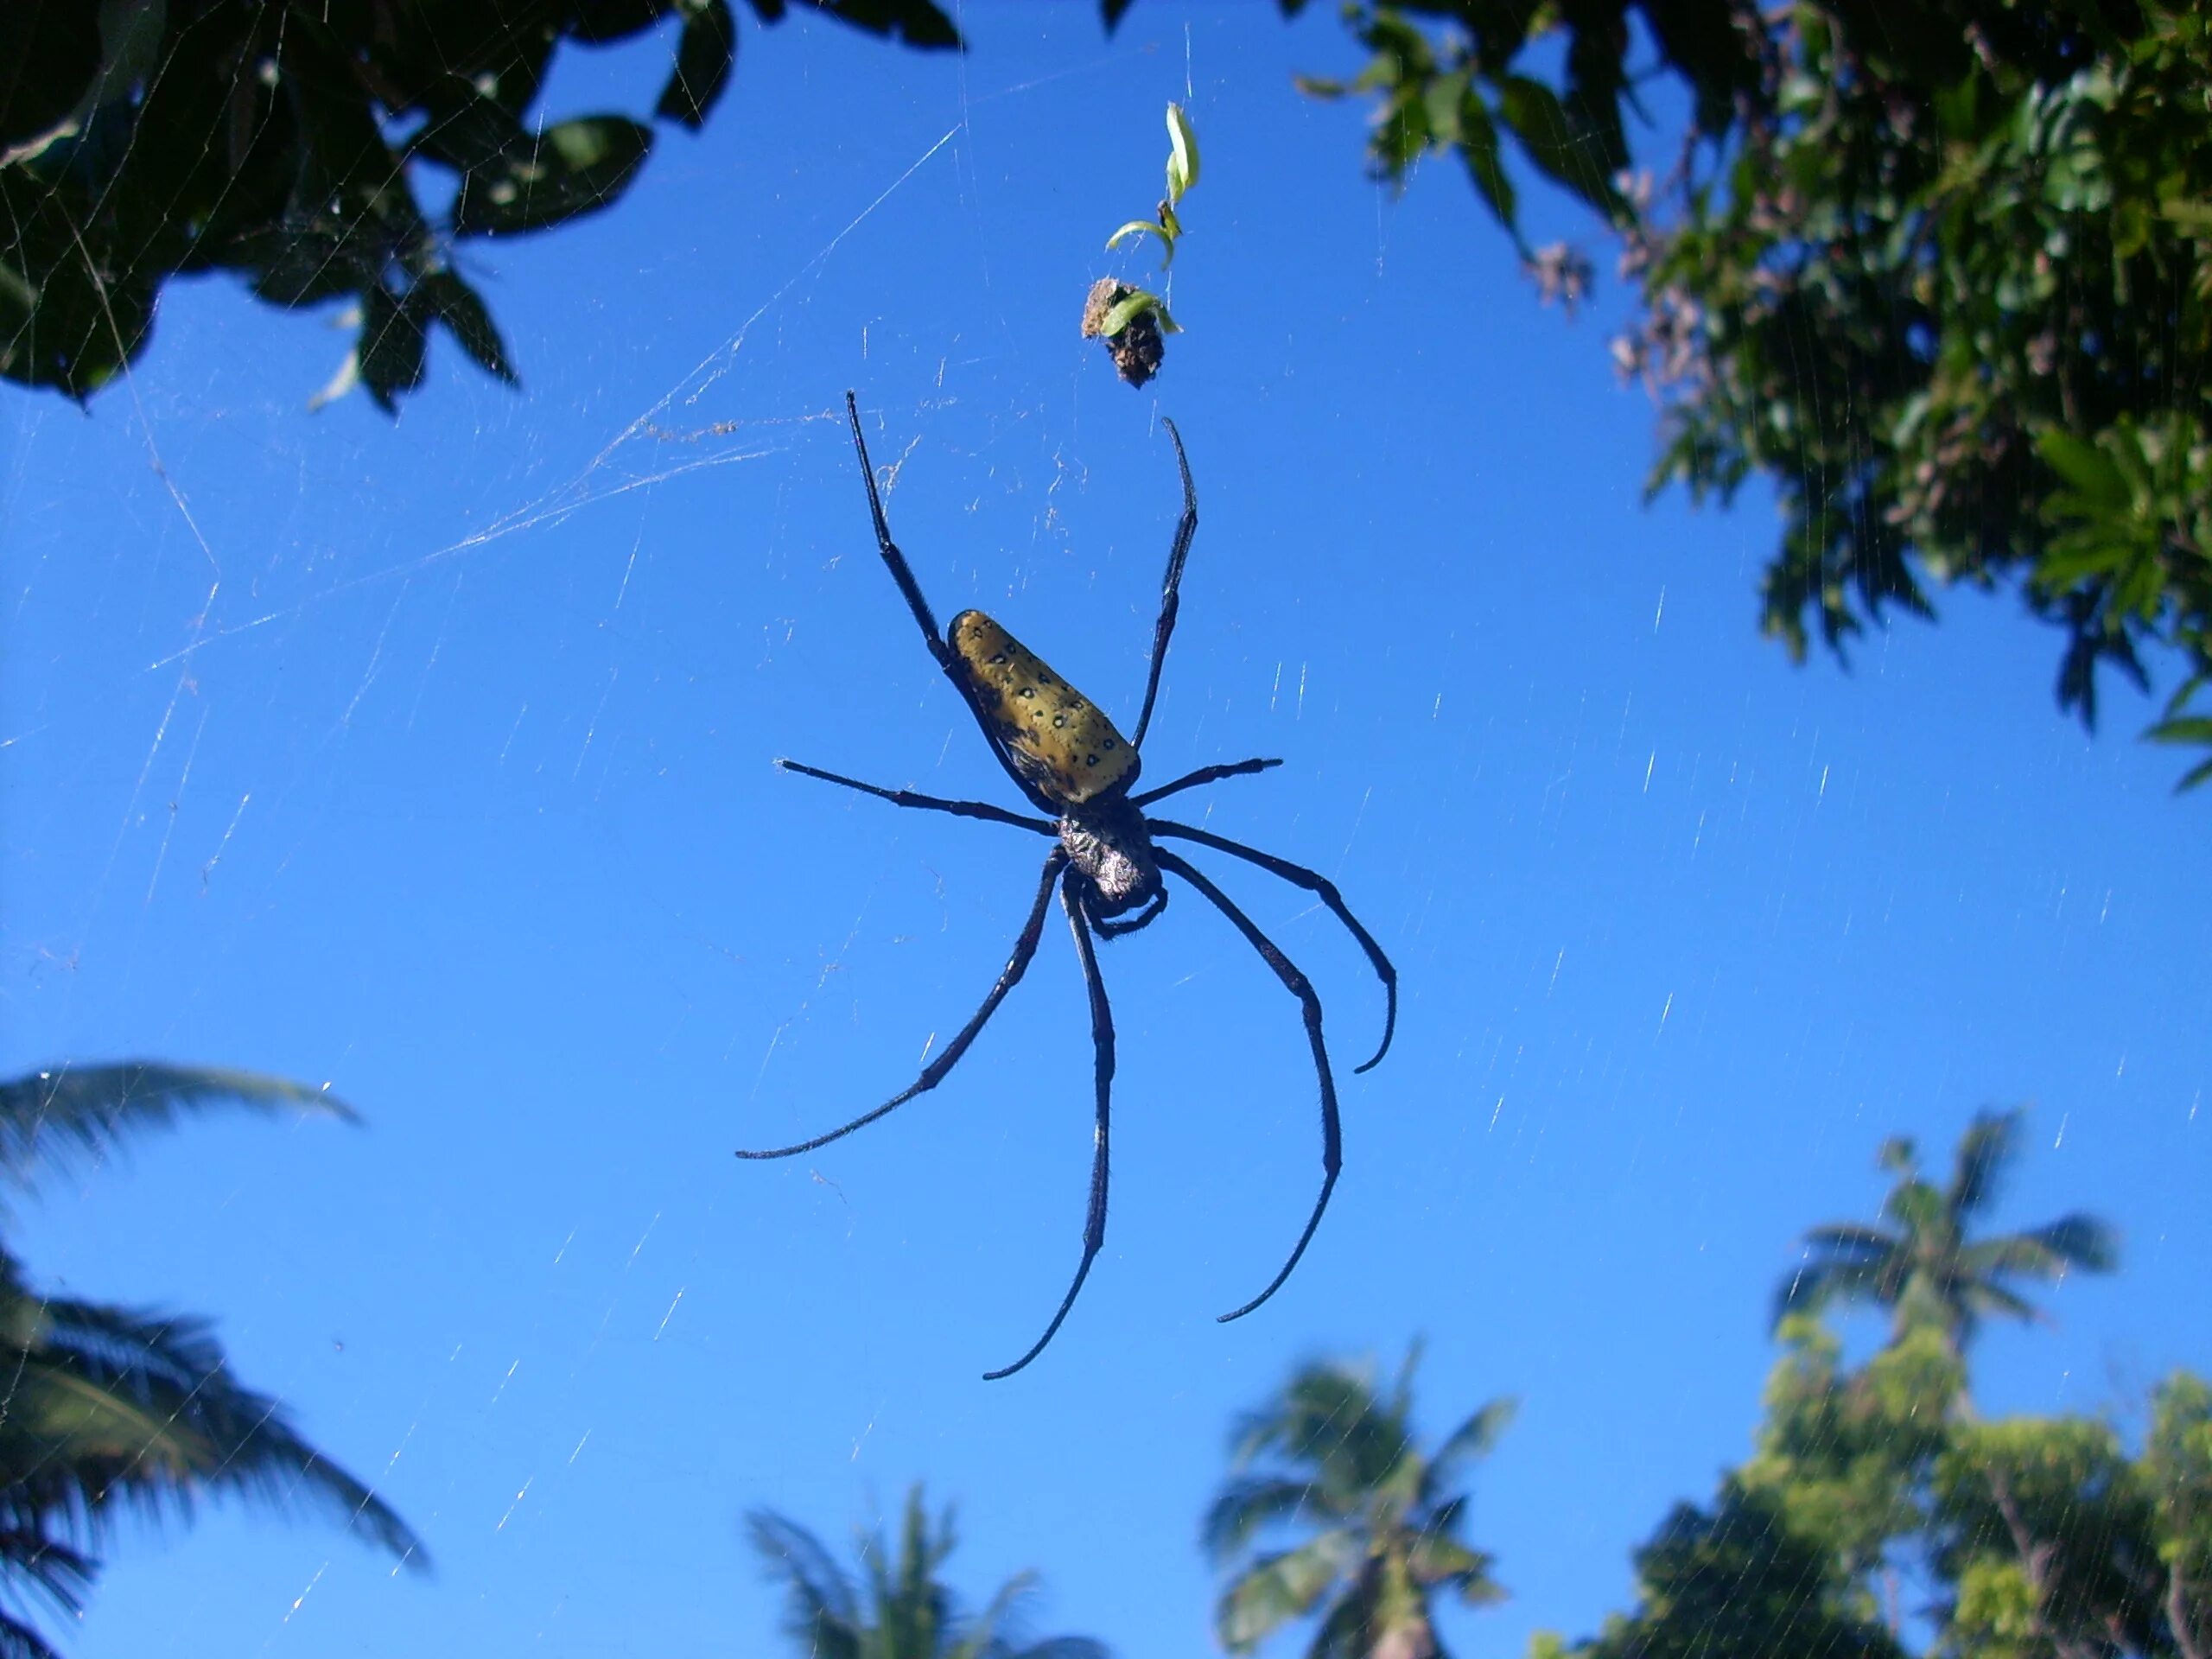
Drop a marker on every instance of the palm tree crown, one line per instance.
(895, 1607)
(1924, 1265)
(1331, 1456)
(113, 1408)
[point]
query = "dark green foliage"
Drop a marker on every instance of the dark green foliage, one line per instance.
(288, 143)
(2050, 1539)
(1454, 90)
(1923, 1267)
(1734, 1582)
(78, 1117)
(895, 1607)
(1334, 1459)
(1938, 274)
(112, 1409)
(1843, 1456)
(1877, 1504)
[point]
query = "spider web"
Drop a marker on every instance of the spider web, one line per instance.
(433, 760)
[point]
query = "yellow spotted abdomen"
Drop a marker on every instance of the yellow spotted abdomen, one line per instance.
(1058, 737)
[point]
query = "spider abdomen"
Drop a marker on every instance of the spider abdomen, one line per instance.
(1058, 740)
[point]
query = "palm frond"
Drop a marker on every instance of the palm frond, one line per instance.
(1310, 1413)
(821, 1613)
(912, 1612)
(991, 1633)
(73, 1115)
(1991, 1142)
(20, 1641)
(57, 1573)
(1918, 1209)
(1328, 1419)
(1348, 1629)
(2075, 1240)
(1476, 1438)
(1276, 1589)
(1401, 1390)
(1985, 1297)
(896, 1607)
(1847, 1238)
(82, 1429)
(1249, 1505)
(1062, 1647)
(1899, 1155)
(1435, 1560)
(1814, 1285)
(219, 1436)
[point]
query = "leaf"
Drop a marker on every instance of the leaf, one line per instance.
(604, 22)
(1140, 227)
(52, 53)
(706, 54)
(393, 343)
(1182, 154)
(2195, 729)
(1249, 1505)
(341, 384)
(573, 169)
(1555, 144)
(1991, 1143)
(1130, 309)
(1278, 1589)
(917, 23)
(2083, 465)
(1478, 149)
(1478, 1436)
(466, 318)
(2194, 775)
(73, 1115)
(466, 129)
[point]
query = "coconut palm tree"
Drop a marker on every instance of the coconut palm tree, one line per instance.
(1331, 1458)
(112, 1409)
(895, 1607)
(1924, 1266)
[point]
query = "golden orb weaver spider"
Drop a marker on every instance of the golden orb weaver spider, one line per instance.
(1066, 756)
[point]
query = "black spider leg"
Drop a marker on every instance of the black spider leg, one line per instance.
(1025, 948)
(908, 797)
(1102, 1044)
(1295, 982)
(1322, 888)
(1212, 774)
(1171, 593)
(1145, 918)
(903, 574)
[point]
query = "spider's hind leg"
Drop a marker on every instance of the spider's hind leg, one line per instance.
(1102, 1043)
(1322, 888)
(1309, 1005)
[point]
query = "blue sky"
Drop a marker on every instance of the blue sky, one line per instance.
(435, 761)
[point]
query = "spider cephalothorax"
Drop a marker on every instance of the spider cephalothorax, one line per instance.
(1074, 765)
(1109, 842)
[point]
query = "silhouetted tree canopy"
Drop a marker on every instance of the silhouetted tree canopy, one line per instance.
(1937, 273)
